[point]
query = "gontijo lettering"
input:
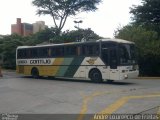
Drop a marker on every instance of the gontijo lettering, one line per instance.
(47, 61)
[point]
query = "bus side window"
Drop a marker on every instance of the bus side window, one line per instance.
(22, 53)
(83, 50)
(89, 50)
(92, 50)
(33, 53)
(19, 55)
(59, 51)
(53, 52)
(49, 52)
(78, 50)
(70, 50)
(43, 52)
(74, 50)
(25, 53)
(96, 50)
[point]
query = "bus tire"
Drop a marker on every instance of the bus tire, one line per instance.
(95, 75)
(35, 73)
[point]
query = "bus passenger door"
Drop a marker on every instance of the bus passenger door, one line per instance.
(105, 59)
(113, 61)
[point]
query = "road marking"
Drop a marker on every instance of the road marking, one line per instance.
(111, 108)
(86, 100)
(119, 103)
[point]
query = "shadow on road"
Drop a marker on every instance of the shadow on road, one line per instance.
(80, 80)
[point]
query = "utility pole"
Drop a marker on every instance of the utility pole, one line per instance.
(78, 22)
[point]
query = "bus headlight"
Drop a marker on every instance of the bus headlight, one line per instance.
(125, 76)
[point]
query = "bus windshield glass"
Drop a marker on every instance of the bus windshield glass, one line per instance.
(127, 54)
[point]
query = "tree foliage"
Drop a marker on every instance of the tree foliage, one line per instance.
(8, 47)
(147, 14)
(59, 10)
(76, 36)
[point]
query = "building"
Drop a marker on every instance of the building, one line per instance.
(38, 26)
(17, 28)
(25, 29)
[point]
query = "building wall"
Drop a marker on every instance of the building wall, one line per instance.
(17, 28)
(38, 26)
(14, 28)
(26, 29)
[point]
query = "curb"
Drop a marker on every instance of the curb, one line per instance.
(148, 78)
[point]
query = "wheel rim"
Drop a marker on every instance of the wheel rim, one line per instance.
(96, 76)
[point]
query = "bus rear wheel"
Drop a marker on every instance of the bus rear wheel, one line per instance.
(35, 73)
(95, 76)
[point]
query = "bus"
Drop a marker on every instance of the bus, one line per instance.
(101, 60)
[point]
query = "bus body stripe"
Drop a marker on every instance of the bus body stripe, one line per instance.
(73, 67)
(64, 67)
(57, 62)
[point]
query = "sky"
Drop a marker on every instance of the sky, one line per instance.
(110, 15)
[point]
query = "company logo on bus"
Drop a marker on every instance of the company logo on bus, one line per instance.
(34, 62)
(91, 61)
(47, 61)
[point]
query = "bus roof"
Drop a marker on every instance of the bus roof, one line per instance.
(116, 40)
(71, 43)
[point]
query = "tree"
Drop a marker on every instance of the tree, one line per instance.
(8, 50)
(147, 14)
(136, 33)
(76, 35)
(60, 10)
(148, 46)
(44, 35)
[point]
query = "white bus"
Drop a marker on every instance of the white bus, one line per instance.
(104, 59)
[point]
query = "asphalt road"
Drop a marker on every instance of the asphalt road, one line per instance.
(21, 94)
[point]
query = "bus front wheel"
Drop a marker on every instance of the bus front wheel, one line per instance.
(35, 73)
(95, 75)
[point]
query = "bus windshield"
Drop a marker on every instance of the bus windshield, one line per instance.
(127, 54)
